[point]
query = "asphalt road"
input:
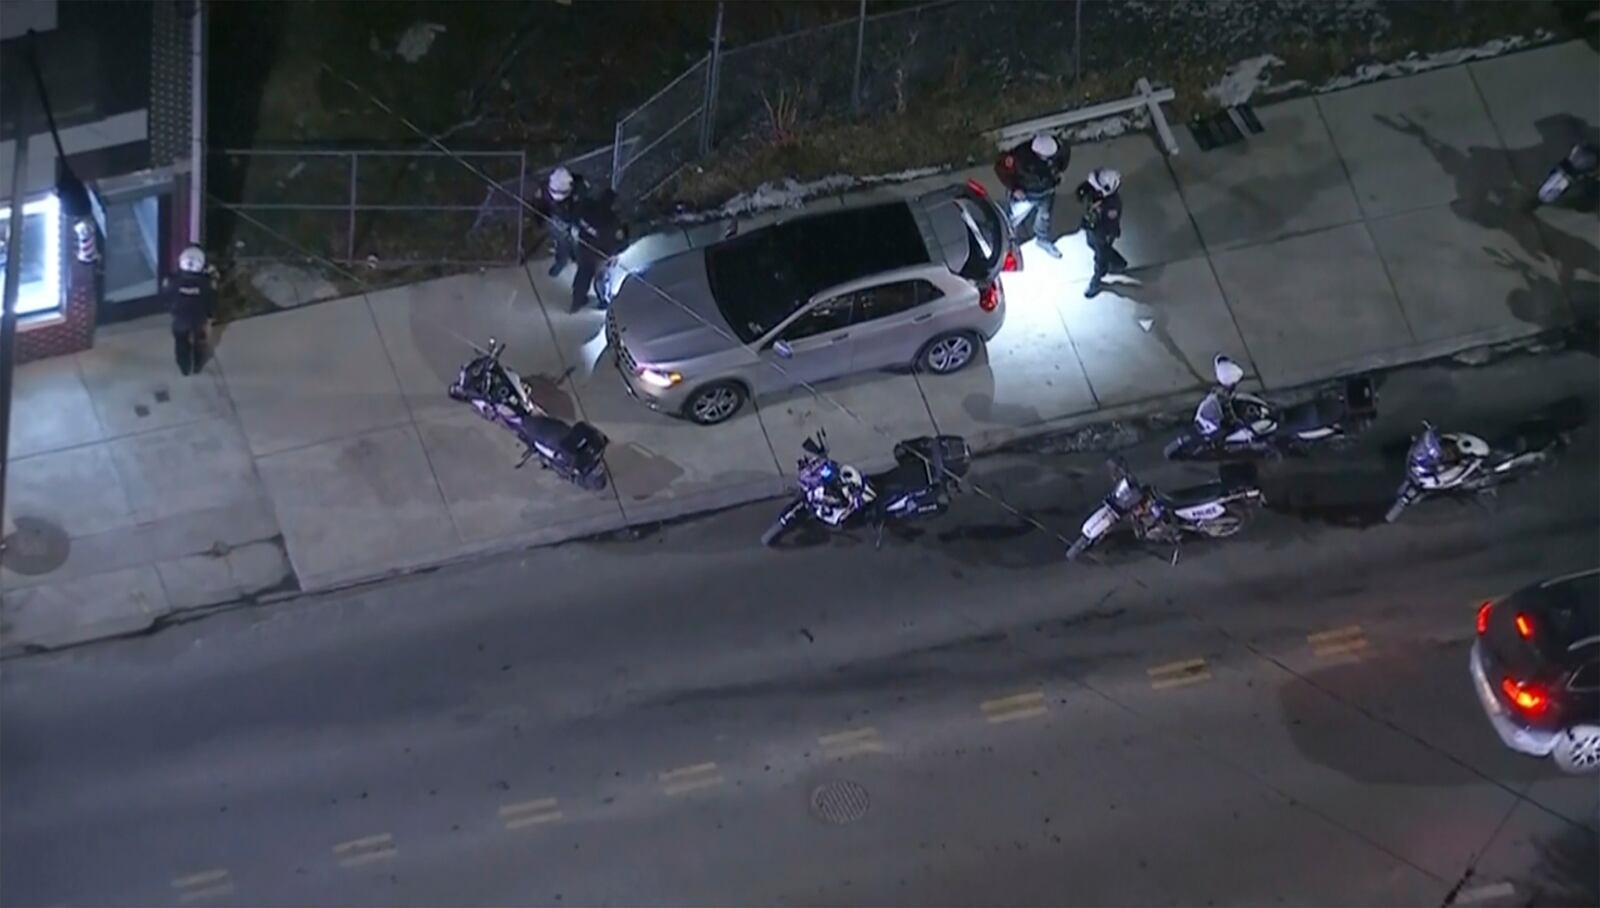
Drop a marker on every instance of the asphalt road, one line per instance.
(958, 718)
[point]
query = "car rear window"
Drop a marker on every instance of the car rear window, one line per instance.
(985, 238)
(1555, 615)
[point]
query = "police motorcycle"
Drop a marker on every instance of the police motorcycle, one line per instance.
(838, 496)
(1461, 463)
(1581, 164)
(1214, 509)
(1230, 423)
(573, 452)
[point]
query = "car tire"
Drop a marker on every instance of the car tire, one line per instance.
(714, 403)
(948, 353)
(1577, 750)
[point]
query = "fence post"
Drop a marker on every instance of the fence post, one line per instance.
(708, 109)
(1077, 43)
(861, 37)
(350, 236)
(522, 198)
(616, 158)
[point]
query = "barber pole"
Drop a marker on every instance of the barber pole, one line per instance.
(88, 241)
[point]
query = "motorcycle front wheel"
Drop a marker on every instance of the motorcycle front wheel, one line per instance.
(788, 518)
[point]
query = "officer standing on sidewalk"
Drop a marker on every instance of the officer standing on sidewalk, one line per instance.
(193, 300)
(1102, 223)
(601, 235)
(1031, 172)
(558, 200)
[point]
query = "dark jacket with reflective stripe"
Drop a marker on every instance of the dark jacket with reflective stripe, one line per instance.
(193, 300)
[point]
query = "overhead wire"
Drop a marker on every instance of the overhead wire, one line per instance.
(661, 293)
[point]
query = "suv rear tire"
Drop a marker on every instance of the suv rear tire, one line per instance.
(948, 353)
(714, 403)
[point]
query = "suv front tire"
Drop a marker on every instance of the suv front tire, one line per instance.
(714, 403)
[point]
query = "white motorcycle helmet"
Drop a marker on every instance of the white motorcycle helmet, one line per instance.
(192, 260)
(560, 184)
(1044, 145)
(1105, 180)
(1228, 372)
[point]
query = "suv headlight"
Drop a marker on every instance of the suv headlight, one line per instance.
(659, 378)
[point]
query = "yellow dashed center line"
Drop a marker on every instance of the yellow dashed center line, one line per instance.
(530, 813)
(689, 778)
(1010, 709)
(203, 885)
(1342, 641)
(371, 849)
(852, 743)
(1178, 674)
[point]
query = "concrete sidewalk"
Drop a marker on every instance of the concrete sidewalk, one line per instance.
(1376, 226)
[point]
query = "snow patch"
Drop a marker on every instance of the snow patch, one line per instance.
(417, 40)
(1243, 79)
(288, 286)
(791, 193)
(1417, 63)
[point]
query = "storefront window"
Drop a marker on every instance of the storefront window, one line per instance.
(40, 287)
(132, 229)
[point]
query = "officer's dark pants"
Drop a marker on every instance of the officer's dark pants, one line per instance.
(583, 279)
(1106, 258)
(562, 245)
(189, 348)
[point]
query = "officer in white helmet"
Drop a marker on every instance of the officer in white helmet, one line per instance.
(1102, 223)
(193, 301)
(1031, 172)
(558, 201)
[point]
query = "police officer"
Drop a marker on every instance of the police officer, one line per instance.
(1102, 223)
(558, 200)
(1031, 172)
(193, 295)
(601, 235)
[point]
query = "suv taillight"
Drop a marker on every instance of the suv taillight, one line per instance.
(990, 296)
(1012, 262)
(1483, 617)
(1525, 696)
(977, 189)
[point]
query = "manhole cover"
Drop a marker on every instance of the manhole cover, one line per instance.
(37, 547)
(839, 802)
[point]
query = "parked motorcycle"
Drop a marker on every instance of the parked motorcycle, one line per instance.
(1233, 424)
(574, 452)
(1581, 163)
(838, 496)
(1213, 509)
(1460, 463)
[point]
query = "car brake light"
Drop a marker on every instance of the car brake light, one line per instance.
(977, 189)
(1524, 627)
(1011, 263)
(1483, 617)
(1530, 698)
(989, 297)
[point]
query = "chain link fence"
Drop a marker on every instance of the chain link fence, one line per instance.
(866, 66)
(378, 207)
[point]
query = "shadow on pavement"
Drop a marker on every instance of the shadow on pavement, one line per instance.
(1568, 869)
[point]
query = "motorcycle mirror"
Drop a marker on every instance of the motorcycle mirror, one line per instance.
(811, 446)
(782, 349)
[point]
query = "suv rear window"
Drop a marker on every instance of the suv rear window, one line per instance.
(985, 238)
(1557, 613)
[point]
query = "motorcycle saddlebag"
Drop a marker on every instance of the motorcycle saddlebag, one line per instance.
(952, 451)
(582, 448)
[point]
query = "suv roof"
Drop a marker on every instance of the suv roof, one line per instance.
(783, 265)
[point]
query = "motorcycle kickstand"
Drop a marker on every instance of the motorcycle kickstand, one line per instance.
(877, 537)
(1177, 549)
(526, 456)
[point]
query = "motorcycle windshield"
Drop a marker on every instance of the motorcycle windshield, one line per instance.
(1426, 452)
(819, 473)
(1125, 495)
(1208, 417)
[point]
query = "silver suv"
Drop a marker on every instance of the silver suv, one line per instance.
(907, 283)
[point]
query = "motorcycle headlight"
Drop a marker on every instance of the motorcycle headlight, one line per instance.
(658, 378)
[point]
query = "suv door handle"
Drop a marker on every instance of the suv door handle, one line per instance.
(922, 318)
(839, 337)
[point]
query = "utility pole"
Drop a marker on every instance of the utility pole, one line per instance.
(13, 282)
(708, 108)
(861, 40)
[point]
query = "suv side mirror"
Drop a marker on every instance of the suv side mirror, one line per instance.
(782, 348)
